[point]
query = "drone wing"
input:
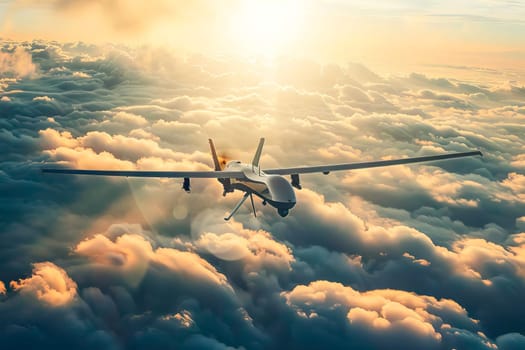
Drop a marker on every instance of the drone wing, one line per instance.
(162, 174)
(325, 169)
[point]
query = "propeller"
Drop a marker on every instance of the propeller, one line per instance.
(224, 158)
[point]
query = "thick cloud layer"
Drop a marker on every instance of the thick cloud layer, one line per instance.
(428, 256)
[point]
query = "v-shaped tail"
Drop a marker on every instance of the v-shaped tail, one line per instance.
(216, 162)
(257, 156)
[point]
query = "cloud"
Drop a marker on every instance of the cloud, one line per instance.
(49, 284)
(43, 98)
(510, 341)
(88, 159)
(379, 318)
(130, 118)
(520, 223)
(516, 182)
(81, 75)
(129, 255)
(409, 252)
(156, 274)
(256, 248)
(17, 63)
(381, 256)
(479, 257)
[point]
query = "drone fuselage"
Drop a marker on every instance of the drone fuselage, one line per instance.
(272, 189)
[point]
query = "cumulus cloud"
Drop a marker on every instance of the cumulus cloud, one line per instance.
(479, 257)
(256, 248)
(516, 182)
(88, 159)
(17, 63)
(380, 318)
(49, 284)
(129, 255)
(130, 118)
(192, 281)
(81, 75)
(510, 341)
(367, 257)
(520, 223)
(43, 98)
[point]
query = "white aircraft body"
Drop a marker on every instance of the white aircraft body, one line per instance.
(268, 184)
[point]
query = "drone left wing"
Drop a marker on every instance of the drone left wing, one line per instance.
(162, 174)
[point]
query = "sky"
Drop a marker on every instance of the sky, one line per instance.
(428, 256)
(463, 32)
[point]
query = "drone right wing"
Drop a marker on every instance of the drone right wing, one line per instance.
(325, 169)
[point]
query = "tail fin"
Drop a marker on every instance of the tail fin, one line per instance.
(255, 161)
(214, 155)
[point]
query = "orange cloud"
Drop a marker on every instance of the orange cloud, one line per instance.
(231, 241)
(82, 158)
(131, 254)
(100, 150)
(18, 64)
(49, 284)
(516, 183)
(383, 311)
(130, 118)
(477, 257)
(189, 264)
(51, 138)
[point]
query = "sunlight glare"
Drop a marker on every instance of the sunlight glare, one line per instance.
(266, 27)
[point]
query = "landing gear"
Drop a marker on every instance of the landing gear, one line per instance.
(282, 212)
(226, 184)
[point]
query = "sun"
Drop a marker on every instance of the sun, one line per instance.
(266, 26)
